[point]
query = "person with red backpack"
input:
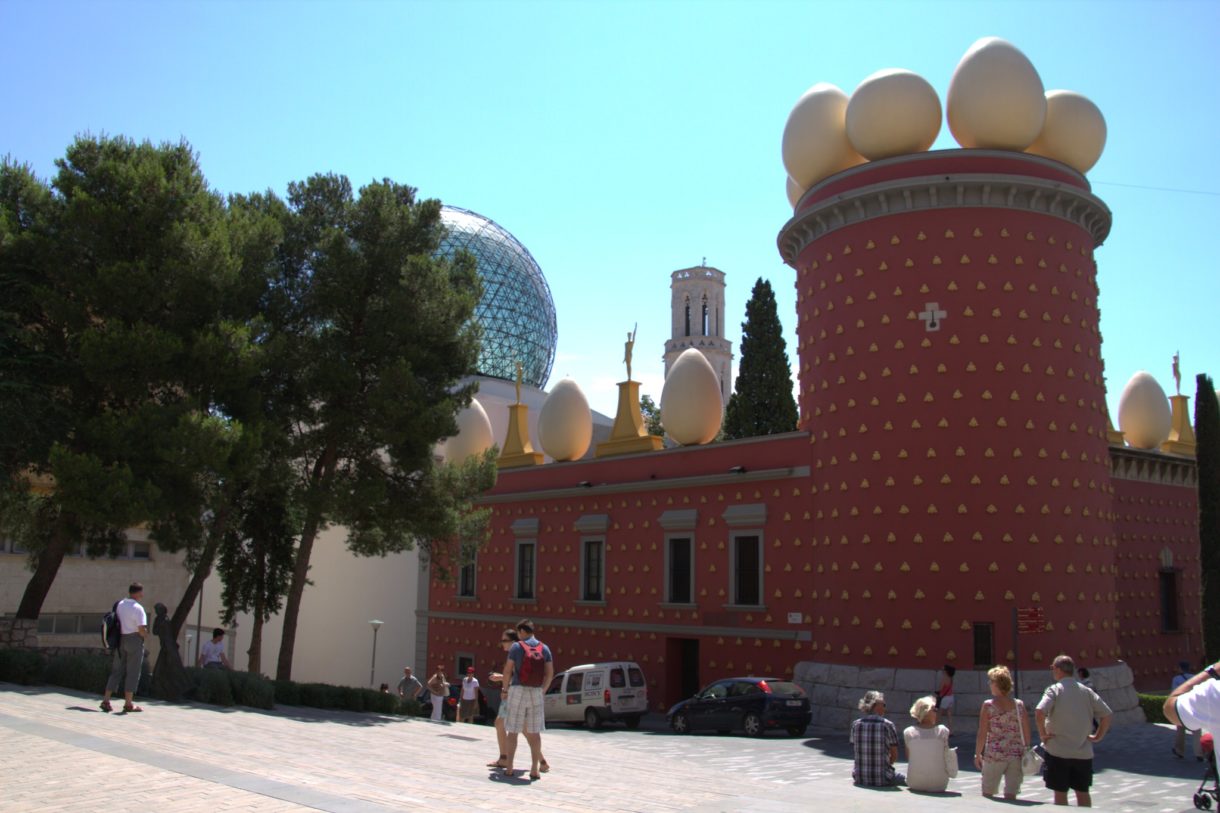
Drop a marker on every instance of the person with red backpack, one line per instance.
(527, 673)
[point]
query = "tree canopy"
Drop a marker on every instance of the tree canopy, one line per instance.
(1207, 453)
(762, 402)
(236, 374)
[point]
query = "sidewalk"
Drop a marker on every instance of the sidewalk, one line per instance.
(62, 754)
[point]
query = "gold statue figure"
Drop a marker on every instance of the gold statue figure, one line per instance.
(627, 349)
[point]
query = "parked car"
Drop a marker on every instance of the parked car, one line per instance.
(751, 704)
(595, 693)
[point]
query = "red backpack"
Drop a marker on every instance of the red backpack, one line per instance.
(533, 665)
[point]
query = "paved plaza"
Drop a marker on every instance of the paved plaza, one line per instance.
(62, 754)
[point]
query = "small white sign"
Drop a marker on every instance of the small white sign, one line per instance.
(795, 618)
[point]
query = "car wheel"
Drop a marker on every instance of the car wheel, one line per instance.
(632, 723)
(795, 731)
(753, 725)
(592, 719)
(679, 723)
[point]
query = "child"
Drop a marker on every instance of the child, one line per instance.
(944, 696)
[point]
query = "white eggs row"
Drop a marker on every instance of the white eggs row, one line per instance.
(690, 409)
(996, 100)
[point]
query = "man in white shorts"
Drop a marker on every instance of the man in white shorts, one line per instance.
(527, 673)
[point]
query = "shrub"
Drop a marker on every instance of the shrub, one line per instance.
(1154, 707)
(83, 672)
(380, 702)
(24, 666)
(213, 687)
(287, 692)
(410, 707)
(250, 690)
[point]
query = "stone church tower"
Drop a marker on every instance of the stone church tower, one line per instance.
(697, 303)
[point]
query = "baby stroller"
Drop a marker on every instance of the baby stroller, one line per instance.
(1208, 793)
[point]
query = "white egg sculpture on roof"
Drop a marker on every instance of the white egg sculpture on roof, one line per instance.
(893, 112)
(565, 423)
(1143, 412)
(474, 435)
(1074, 132)
(815, 138)
(691, 408)
(996, 99)
(795, 192)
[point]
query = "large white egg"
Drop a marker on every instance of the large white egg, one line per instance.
(893, 112)
(996, 99)
(1074, 132)
(474, 435)
(690, 400)
(1143, 412)
(565, 424)
(815, 138)
(795, 192)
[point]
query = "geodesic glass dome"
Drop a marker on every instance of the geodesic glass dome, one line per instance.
(516, 311)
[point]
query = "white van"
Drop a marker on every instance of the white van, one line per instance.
(596, 692)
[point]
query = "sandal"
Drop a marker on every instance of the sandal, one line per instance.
(106, 707)
(131, 709)
(499, 763)
(509, 772)
(534, 777)
(544, 767)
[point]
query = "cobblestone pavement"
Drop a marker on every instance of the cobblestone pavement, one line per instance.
(62, 754)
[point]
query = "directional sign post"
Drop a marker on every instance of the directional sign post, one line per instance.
(1025, 621)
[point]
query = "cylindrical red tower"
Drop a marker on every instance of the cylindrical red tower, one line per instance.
(951, 383)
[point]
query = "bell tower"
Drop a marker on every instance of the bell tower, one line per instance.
(697, 304)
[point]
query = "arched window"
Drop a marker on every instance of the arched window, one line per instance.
(687, 316)
(704, 319)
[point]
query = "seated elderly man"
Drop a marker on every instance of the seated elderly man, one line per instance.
(1196, 703)
(875, 740)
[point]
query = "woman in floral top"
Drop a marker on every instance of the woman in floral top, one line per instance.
(1003, 734)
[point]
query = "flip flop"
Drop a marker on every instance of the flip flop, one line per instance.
(534, 777)
(131, 709)
(106, 707)
(544, 767)
(496, 764)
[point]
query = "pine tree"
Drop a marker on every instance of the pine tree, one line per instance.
(1207, 453)
(762, 402)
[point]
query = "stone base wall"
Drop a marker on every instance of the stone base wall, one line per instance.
(836, 689)
(18, 633)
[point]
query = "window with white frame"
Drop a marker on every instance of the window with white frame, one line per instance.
(679, 569)
(746, 524)
(466, 580)
(525, 561)
(593, 569)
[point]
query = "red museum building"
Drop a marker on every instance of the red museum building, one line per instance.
(954, 462)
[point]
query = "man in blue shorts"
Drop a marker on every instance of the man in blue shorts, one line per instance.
(1065, 723)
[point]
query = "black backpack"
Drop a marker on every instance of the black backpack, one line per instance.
(111, 631)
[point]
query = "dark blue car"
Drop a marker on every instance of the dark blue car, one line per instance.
(751, 704)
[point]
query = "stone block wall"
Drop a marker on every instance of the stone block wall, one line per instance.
(18, 633)
(836, 689)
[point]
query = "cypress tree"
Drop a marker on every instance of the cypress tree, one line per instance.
(762, 402)
(1207, 438)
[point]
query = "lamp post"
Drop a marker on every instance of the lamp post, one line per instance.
(376, 625)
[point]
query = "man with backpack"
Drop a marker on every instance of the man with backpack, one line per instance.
(527, 673)
(129, 654)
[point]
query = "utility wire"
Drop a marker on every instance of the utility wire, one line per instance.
(1160, 188)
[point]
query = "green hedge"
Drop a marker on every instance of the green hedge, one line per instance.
(88, 673)
(85, 673)
(24, 666)
(1154, 707)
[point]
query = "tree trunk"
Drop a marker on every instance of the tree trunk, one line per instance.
(202, 570)
(48, 562)
(300, 571)
(254, 654)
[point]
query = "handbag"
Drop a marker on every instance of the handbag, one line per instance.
(1031, 760)
(950, 761)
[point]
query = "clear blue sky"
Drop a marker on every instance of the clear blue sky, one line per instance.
(620, 141)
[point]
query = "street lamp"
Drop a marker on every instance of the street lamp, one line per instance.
(376, 625)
